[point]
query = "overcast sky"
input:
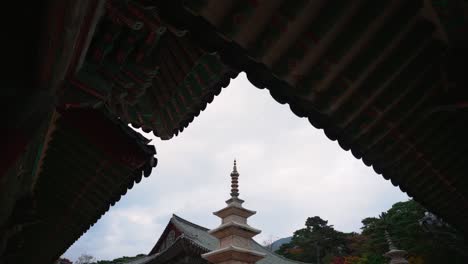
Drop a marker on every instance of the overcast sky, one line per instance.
(288, 171)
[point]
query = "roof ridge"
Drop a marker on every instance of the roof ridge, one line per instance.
(178, 218)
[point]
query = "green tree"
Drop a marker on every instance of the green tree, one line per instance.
(85, 259)
(409, 226)
(315, 242)
(403, 223)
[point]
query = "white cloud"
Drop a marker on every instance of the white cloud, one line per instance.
(289, 171)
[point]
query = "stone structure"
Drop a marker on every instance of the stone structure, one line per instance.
(396, 256)
(234, 234)
(184, 242)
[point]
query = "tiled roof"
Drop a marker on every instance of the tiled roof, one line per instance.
(383, 78)
(90, 161)
(201, 237)
(196, 233)
(145, 72)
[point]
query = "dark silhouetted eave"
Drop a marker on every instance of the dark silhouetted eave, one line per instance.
(150, 75)
(78, 183)
(372, 74)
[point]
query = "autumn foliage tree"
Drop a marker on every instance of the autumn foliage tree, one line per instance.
(426, 242)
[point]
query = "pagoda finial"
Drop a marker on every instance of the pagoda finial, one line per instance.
(234, 181)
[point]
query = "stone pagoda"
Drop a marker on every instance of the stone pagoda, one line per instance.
(234, 234)
(396, 256)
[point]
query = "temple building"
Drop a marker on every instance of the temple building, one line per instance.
(385, 79)
(230, 243)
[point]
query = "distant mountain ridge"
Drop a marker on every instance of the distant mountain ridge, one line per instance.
(277, 244)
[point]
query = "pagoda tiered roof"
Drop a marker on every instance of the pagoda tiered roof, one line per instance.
(234, 234)
(234, 228)
(234, 209)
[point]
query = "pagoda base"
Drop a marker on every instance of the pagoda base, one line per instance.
(397, 256)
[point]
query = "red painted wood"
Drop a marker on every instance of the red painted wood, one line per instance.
(106, 135)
